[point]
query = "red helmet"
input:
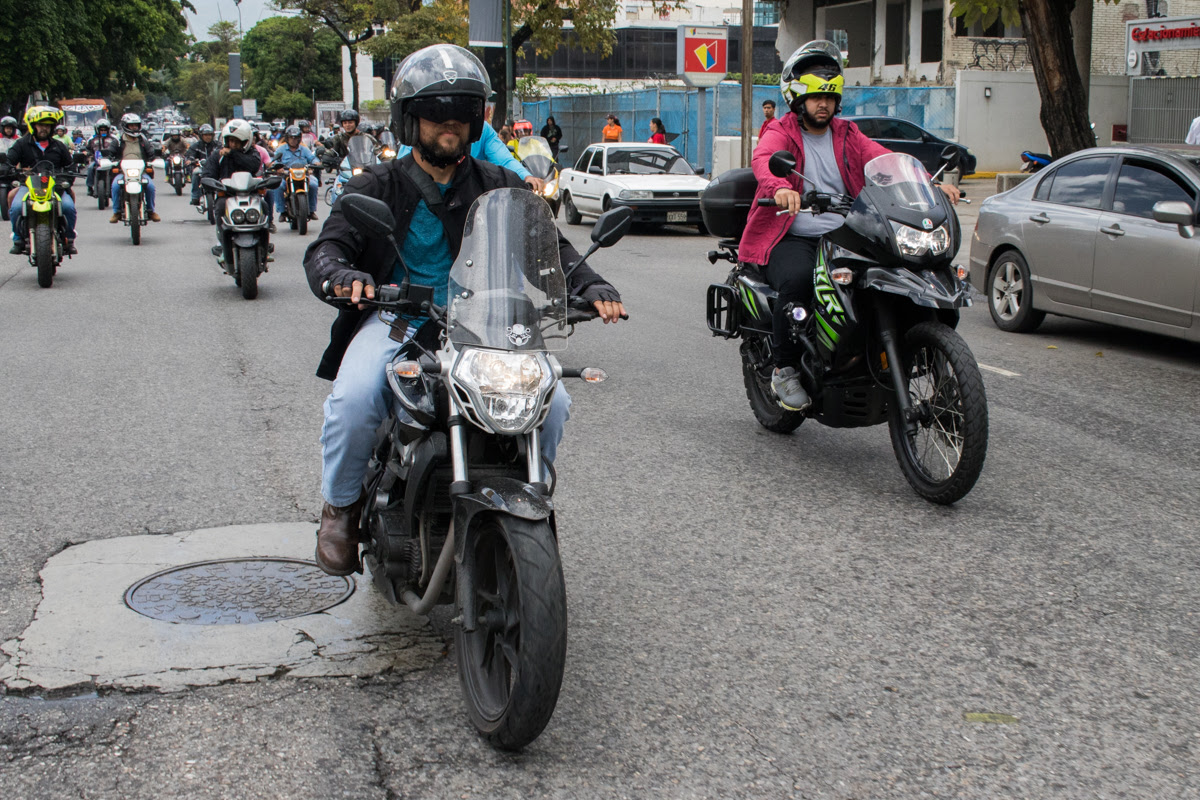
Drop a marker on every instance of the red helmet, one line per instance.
(522, 127)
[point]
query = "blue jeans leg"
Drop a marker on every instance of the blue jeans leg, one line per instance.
(69, 212)
(313, 188)
(556, 419)
(14, 214)
(115, 192)
(91, 175)
(196, 186)
(148, 188)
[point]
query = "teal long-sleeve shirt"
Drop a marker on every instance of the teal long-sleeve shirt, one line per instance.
(488, 148)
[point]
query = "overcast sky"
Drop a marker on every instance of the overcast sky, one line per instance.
(210, 12)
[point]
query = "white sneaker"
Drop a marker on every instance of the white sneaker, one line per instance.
(786, 384)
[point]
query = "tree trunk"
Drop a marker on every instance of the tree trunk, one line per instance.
(1081, 26)
(353, 77)
(1064, 113)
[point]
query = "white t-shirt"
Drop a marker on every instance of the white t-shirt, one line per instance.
(1193, 136)
(820, 167)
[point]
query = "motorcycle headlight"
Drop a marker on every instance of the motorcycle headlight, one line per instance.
(177, 160)
(238, 216)
(133, 174)
(506, 389)
(913, 242)
(387, 154)
(636, 194)
(356, 171)
(550, 189)
(252, 216)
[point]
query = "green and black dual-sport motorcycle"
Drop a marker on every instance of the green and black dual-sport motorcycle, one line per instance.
(880, 344)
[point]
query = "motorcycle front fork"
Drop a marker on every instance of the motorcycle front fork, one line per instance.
(896, 368)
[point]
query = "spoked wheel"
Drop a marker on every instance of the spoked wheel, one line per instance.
(246, 262)
(135, 218)
(762, 398)
(43, 252)
(511, 665)
(943, 454)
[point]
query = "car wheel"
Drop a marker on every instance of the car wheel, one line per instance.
(570, 212)
(1010, 294)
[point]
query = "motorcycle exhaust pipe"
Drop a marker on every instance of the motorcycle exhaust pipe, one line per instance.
(423, 605)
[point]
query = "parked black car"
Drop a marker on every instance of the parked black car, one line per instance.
(902, 136)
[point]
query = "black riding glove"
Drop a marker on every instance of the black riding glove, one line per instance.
(600, 291)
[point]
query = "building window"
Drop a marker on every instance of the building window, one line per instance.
(766, 13)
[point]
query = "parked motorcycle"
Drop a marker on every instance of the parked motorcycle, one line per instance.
(44, 224)
(457, 483)
(133, 175)
(881, 343)
(177, 176)
(246, 238)
(535, 155)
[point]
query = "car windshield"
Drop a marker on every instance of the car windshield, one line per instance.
(507, 289)
(903, 179)
(647, 162)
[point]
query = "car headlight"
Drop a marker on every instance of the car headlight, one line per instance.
(506, 388)
(636, 194)
(913, 242)
(550, 189)
(252, 216)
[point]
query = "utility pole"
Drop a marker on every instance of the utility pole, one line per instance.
(747, 80)
(510, 95)
(238, 3)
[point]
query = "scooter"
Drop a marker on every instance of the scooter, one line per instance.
(535, 155)
(246, 246)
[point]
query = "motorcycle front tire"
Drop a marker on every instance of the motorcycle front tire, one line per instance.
(511, 666)
(43, 249)
(134, 203)
(246, 259)
(956, 411)
(300, 213)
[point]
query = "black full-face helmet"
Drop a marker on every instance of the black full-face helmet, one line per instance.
(439, 82)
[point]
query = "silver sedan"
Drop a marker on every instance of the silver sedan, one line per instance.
(1104, 234)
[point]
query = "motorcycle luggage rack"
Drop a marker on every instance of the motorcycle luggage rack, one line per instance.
(722, 310)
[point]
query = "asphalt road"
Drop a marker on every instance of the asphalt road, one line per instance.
(751, 615)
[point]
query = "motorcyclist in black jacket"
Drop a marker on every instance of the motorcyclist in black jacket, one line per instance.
(198, 152)
(132, 143)
(97, 144)
(25, 153)
(237, 155)
(439, 116)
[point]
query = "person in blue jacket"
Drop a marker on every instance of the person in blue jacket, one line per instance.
(292, 154)
(490, 148)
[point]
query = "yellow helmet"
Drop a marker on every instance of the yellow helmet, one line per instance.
(48, 114)
(815, 68)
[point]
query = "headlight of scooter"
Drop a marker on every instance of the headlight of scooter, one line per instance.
(551, 188)
(506, 390)
(252, 216)
(238, 216)
(914, 242)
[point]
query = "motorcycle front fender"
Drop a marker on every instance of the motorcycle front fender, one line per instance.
(245, 239)
(928, 289)
(133, 188)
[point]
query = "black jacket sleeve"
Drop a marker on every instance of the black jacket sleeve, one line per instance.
(339, 246)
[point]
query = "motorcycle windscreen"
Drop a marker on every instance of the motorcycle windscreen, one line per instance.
(507, 289)
(902, 178)
(361, 151)
(533, 146)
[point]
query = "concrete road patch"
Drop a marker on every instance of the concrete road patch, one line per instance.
(83, 634)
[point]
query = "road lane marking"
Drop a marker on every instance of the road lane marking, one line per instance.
(999, 371)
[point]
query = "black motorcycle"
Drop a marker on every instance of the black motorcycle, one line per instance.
(880, 344)
(176, 174)
(457, 483)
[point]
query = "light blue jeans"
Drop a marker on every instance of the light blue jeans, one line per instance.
(360, 401)
(313, 188)
(147, 189)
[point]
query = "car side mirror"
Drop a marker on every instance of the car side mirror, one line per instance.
(595, 170)
(564, 148)
(369, 216)
(950, 156)
(612, 225)
(782, 163)
(1175, 212)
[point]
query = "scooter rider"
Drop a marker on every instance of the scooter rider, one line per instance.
(132, 144)
(831, 153)
(198, 152)
(25, 153)
(237, 155)
(8, 128)
(97, 144)
(440, 117)
(293, 154)
(340, 143)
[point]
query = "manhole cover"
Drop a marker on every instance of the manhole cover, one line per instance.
(237, 591)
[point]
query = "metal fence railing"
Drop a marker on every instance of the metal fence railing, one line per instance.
(581, 117)
(1162, 109)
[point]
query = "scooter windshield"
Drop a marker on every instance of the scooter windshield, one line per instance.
(903, 180)
(534, 152)
(507, 289)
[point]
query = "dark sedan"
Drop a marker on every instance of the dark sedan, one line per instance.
(902, 136)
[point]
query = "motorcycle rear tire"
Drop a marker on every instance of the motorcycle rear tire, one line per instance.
(763, 402)
(43, 243)
(511, 674)
(247, 270)
(958, 406)
(134, 204)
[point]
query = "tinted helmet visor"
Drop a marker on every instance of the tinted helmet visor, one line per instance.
(441, 108)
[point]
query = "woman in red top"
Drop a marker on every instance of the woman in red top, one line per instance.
(658, 134)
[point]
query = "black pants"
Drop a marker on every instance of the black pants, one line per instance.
(790, 273)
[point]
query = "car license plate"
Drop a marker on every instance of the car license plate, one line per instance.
(676, 216)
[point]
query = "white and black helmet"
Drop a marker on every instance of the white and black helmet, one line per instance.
(444, 71)
(128, 121)
(238, 129)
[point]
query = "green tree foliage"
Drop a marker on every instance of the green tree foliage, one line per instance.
(86, 47)
(204, 86)
(293, 54)
(440, 21)
(284, 104)
(224, 39)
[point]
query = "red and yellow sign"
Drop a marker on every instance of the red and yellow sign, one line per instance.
(702, 54)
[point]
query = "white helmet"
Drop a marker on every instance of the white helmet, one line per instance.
(238, 129)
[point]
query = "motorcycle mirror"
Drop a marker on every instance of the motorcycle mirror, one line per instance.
(79, 158)
(612, 225)
(272, 182)
(950, 156)
(782, 163)
(212, 183)
(369, 215)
